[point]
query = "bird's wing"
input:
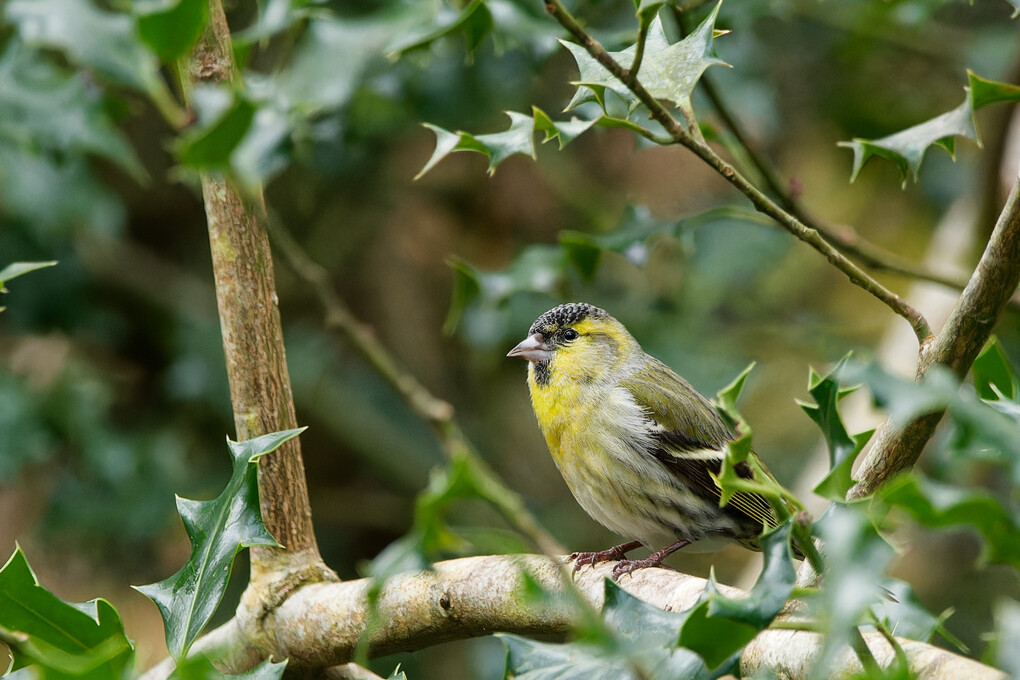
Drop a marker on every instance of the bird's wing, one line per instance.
(688, 437)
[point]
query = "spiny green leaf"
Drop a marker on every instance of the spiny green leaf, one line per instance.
(105, 42)
(171, 27)
(562, 132)
(217, 529)
(59, 638)
(907, 148)
(667, 71)
(934, 504)
(518, 138)
(16, 269)
(843, 448)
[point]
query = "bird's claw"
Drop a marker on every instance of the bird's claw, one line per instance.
(628, 566)
(581, 559)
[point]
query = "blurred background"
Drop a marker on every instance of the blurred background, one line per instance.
(113, 394)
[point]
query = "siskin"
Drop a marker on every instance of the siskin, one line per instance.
(636, 444)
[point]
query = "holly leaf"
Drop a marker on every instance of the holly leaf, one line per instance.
(843, 448)
(907, 148)
(59, 638)
(105, 42)
(217, 529)
(668, 71)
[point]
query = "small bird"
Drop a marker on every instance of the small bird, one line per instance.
(635, 443)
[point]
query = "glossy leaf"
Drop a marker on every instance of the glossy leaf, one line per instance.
(907, 148)
(667, 71)
(473, 22)
(217, 529)
(57, 638)
(843, 448)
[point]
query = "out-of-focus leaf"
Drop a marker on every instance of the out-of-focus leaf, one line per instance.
(217, 529)
(474, 22)
(223, 121)
(843, 448)
(16, 269)
(637, 640)
(668, 72)
(57, 638)
(171, 27)
(857, 558)
(907, 148)
(934, 504)
(199, 667)
(538, 269)
(719, 627)
(46, 111)
(986, 430)
(274, 16)
(994, 377)
(105, 42)
(904, 616)
(1007, 652)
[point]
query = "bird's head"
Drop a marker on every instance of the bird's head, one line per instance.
(576, 341)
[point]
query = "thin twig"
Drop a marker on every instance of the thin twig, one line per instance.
(437, 413)
(760, 201)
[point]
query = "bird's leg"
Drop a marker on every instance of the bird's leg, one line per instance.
(615, 553)
(654, 560)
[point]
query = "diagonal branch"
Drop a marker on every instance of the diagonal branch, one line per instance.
(761, 202)
(898, 446)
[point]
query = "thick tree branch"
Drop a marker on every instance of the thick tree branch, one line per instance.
(897, 447)
(321, 624)
(761, 202)
(252, 336)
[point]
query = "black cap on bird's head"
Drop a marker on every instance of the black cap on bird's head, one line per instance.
(566, 315)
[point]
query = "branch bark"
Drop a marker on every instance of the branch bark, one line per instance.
(897, 447)
(320, 624)
(252, 336)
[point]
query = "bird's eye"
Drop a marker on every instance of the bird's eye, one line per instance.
(570, 334)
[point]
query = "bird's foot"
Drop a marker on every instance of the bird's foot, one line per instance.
(618, 552)
(654, 560)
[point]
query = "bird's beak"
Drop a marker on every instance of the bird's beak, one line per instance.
(532, 348)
